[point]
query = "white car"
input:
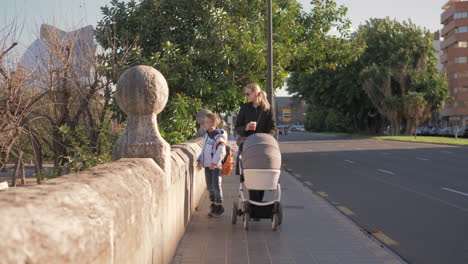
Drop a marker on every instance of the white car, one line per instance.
(297, 128)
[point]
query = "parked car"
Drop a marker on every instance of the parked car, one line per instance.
(423, 131)
(443, 132)
(462, 131)
(450, 132)
(435, 131)
(297, 128)
(419, 131)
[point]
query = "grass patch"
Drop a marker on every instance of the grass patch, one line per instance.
(421, 139)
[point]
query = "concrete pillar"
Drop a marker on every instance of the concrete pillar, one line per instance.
(142, 94)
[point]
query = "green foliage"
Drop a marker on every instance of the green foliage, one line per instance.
(400, 72)
(211, 49)
(327, 120)
(396, 75)
(177, 123)
(334, 95)
(81, 153)
(315, 119)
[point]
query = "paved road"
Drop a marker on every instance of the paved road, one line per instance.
(329, 238)
(413, 197)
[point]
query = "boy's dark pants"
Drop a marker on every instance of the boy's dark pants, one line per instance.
(213, 183)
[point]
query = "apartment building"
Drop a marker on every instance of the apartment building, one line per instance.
(454, 60)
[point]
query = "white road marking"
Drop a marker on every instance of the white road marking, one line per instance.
(446, 152)
(451, 190)
(423, 195)
(421, 159)
(386, 171)
(349, 161)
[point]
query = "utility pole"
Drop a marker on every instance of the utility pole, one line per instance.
(270, 95)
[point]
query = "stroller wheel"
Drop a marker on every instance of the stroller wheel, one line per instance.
(246, 220)
(280, 214)
(275, 222)
(235, 212)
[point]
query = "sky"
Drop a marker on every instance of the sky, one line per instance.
(66, 14)
(424, 13)
(73, 14)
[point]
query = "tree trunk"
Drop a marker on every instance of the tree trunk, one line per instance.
(17, 168)
(6, 157)
(37, 152)
(409, 127)
(23, 173)
(395, 123)
(396, 131)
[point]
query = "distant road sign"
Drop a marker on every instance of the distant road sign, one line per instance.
(286, 115)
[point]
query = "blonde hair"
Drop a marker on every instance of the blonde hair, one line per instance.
(214, 118)
(255, 88)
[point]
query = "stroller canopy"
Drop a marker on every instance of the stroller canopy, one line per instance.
(261, 151)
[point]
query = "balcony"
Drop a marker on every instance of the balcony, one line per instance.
(447, 13)
(448, 41)
(446, 29)
(454, 24)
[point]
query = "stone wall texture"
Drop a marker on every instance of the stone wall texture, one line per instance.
(127, 211)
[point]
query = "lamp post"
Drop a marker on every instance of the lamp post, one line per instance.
(270, 95)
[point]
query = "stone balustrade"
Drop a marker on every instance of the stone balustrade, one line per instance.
(133, 210)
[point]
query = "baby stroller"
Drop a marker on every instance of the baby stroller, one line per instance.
(260, 164)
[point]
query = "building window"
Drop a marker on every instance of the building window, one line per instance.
(455, 75)
(462, 74)
(461, 59)
(463, 29)
(462, 44)
(455, 90)
(459, 15)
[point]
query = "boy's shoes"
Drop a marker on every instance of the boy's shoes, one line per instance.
(218, 210)
(212, 209)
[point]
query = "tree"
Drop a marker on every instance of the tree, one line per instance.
(211, 49)
(400, 73)
(337, 101)
(395, 75)
(17, 105)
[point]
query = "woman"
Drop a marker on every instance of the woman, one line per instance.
(254, 117)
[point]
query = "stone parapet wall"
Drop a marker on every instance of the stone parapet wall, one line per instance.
(118, 212)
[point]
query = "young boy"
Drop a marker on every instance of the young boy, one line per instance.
(211, 157)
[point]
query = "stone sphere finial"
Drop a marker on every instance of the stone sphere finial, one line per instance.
(142, 94)
(142, 90)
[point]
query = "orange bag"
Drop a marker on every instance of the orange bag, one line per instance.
(228, 161)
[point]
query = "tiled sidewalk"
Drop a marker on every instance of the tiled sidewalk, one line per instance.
(312, 232)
